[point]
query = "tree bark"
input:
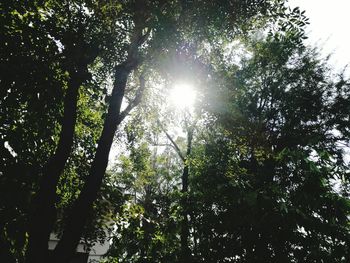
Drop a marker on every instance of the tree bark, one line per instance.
(77, 219)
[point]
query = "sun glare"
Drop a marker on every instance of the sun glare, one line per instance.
(182, 96)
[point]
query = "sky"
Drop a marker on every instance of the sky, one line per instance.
(329, 28)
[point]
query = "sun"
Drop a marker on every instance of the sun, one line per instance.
(182, 96)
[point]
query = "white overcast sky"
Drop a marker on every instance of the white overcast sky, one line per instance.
(329, 28)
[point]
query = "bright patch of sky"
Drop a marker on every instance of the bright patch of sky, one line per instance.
(329, 28)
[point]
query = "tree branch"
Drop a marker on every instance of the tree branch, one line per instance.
(135, 101)
(176, 147)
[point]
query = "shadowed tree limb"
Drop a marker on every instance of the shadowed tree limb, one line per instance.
(82, 208)
(43, 213)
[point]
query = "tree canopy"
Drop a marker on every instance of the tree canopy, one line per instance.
(254, 171)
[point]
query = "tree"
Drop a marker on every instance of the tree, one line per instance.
(25, 53)
(268, 179)
(185, 250)
(265, 190)
(120, 37)
(44, 58)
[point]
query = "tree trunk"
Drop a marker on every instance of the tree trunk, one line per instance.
(77, 219)
(185, 250)
(82, 208)
(43, 214)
